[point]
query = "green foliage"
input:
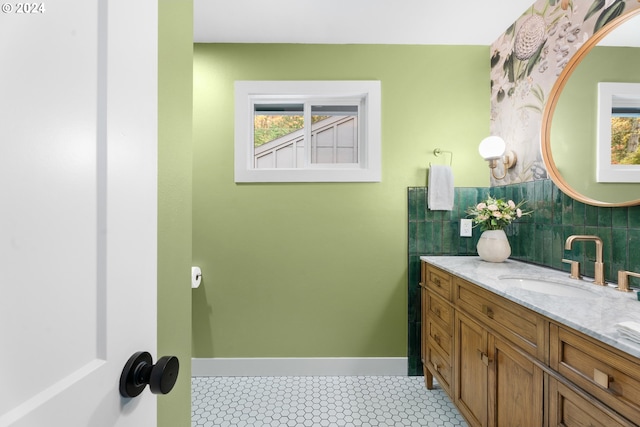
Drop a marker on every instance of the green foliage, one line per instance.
(631, 159)
(609, 14)
(266, 128)
(595, 8)
(625, 130)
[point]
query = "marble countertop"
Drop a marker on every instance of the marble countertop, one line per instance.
(591, 309)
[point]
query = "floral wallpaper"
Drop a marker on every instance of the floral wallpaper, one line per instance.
(525, 63)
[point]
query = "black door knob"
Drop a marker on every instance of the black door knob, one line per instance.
(140, 371)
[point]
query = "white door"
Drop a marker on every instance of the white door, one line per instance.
(78, 141)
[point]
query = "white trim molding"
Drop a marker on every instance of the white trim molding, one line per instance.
(307, 366)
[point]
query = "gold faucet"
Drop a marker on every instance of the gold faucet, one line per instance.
(575, 268)
(623, 280)
(599, 265)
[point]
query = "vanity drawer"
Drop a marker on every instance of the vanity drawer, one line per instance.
(440, 338)
(441, 310)
(569, 409)
(606, 374)
(514, 322)
(440, 367)
(438, 281)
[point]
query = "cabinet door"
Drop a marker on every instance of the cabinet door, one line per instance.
(471, 359)
(516, 387)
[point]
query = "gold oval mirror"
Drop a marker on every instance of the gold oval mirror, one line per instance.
(569, 146)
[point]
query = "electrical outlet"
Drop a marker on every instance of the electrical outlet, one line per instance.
(465, 227)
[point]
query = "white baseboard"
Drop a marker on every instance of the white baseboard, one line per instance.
(311, 366)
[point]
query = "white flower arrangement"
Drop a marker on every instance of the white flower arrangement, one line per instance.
(495, 214)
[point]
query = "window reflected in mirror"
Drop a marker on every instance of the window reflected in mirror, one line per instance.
(625, 130)
(618, 157)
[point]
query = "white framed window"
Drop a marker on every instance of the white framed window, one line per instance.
(307, 131)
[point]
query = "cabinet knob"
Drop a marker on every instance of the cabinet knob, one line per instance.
(437, 282)
(436, 338)
(601, 378)
(488, 311)
(484, 358)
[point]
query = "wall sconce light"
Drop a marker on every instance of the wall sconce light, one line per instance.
(492, 149)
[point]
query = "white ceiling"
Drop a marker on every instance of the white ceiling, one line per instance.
(459, 22)
(464, 22)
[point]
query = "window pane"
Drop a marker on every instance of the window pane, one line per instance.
(278, 135)
(334, 134)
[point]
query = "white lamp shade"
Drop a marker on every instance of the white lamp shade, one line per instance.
(492, 147)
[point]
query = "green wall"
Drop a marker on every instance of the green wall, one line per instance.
(175, 76)
(574, 131)
(320, 270)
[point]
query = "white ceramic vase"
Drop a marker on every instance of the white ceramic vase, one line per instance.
(493, 246)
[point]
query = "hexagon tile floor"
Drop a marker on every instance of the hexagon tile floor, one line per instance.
(319, 401)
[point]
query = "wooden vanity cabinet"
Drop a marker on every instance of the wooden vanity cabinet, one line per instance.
(493, 380)
(504, 365)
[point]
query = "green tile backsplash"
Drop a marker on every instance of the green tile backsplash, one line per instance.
(538, 238)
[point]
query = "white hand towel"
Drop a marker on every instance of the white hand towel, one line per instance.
(440, 188)
(629, 330)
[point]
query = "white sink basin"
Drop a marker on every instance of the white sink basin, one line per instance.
(547, 286)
